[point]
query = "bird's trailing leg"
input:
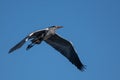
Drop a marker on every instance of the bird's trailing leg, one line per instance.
(30, 46)
(34, 41)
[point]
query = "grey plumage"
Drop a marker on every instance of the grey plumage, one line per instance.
(49, 36)
(66, 49)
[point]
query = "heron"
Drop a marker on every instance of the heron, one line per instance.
(50, 36)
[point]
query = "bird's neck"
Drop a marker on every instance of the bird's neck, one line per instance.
(49, 34)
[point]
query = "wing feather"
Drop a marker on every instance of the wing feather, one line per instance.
(20, 44)
(65, 48)
(32, 35)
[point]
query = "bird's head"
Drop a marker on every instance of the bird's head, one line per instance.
(55, 27)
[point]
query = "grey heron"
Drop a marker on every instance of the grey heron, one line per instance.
(49, 35)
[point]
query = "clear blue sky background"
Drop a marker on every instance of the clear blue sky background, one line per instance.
(92, 25)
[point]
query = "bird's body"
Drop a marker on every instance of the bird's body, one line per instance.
(49, 36)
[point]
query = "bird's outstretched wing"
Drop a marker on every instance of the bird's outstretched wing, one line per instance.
(66, 49)
(33, 35)
(19, 44)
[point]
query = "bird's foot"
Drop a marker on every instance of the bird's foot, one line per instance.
(29, 46)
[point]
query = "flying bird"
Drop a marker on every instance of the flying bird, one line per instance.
(50, 36)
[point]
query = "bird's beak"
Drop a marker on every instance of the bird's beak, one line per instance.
(59, 27)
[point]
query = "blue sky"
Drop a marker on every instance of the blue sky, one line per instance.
(92, 25)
